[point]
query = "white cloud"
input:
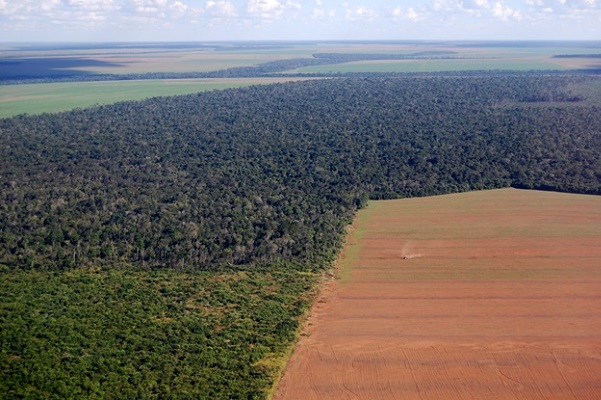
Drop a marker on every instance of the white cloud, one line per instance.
(412, 15)
(179, 8)
(566, 10)
(92, 5)
(221, 8)
(270, 9)
(294, 5)
(148, 6)
(475, 5)
(49, 5)
(398, 13)
(8, 7)
(505, 13)
(319, 12)
(479, 9)
(361, 13)
(445, 5)
(243, 19)
(267, 9)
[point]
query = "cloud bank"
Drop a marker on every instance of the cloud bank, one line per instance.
(39, 20)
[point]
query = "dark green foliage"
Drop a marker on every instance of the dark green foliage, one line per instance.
(267, 173)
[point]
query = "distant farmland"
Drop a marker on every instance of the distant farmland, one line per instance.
(55, 97)
(118, 67)
(435, 65)
(475, 295)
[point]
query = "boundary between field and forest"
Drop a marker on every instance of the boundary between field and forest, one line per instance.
(187, 234)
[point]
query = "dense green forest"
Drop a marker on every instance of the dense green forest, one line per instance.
(274, 173)
(131, 233)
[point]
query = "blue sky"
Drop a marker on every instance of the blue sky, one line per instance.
(195, 20)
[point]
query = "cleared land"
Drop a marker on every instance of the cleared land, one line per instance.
(493, 294)
(55, 97)
(436, 65)
(162, 58)
(44, 61)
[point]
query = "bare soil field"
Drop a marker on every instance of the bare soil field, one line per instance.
(483, 295)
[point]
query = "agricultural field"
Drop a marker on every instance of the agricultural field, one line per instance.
(130, 58)
(55, 97)
(441, 65)
(160, 65)
(475, 295)
(470, 56)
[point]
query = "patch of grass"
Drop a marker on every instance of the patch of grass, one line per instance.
(55, 97)
(435, 65)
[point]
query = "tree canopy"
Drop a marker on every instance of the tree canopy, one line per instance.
(267, 173)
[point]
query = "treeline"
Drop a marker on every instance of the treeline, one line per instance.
(598, 55)
(336, 58)
(275, 173)
(280, 71)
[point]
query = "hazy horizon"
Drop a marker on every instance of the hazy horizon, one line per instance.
(291, 20)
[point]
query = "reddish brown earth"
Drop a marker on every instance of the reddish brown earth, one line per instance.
(484, 295)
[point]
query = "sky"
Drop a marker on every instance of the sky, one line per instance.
(216, 20)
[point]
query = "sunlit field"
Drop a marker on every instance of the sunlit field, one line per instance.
(55, 97)
(80, 61)
(460, 296)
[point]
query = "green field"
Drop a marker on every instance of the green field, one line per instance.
(435, 65)
(56, 97)
(46, 60)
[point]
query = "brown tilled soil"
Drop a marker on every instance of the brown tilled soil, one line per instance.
(485, 295)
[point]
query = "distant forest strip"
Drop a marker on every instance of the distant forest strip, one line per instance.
(275, 173)
(255, 72)
(577, 56)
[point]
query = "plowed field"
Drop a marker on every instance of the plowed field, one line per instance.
(483, 295)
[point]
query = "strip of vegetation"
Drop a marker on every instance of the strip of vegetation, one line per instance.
(284, 72)
(336, 58)
(199, 198)
(577, 56)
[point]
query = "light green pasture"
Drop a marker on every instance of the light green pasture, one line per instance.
(434, 65)
(55, 97)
